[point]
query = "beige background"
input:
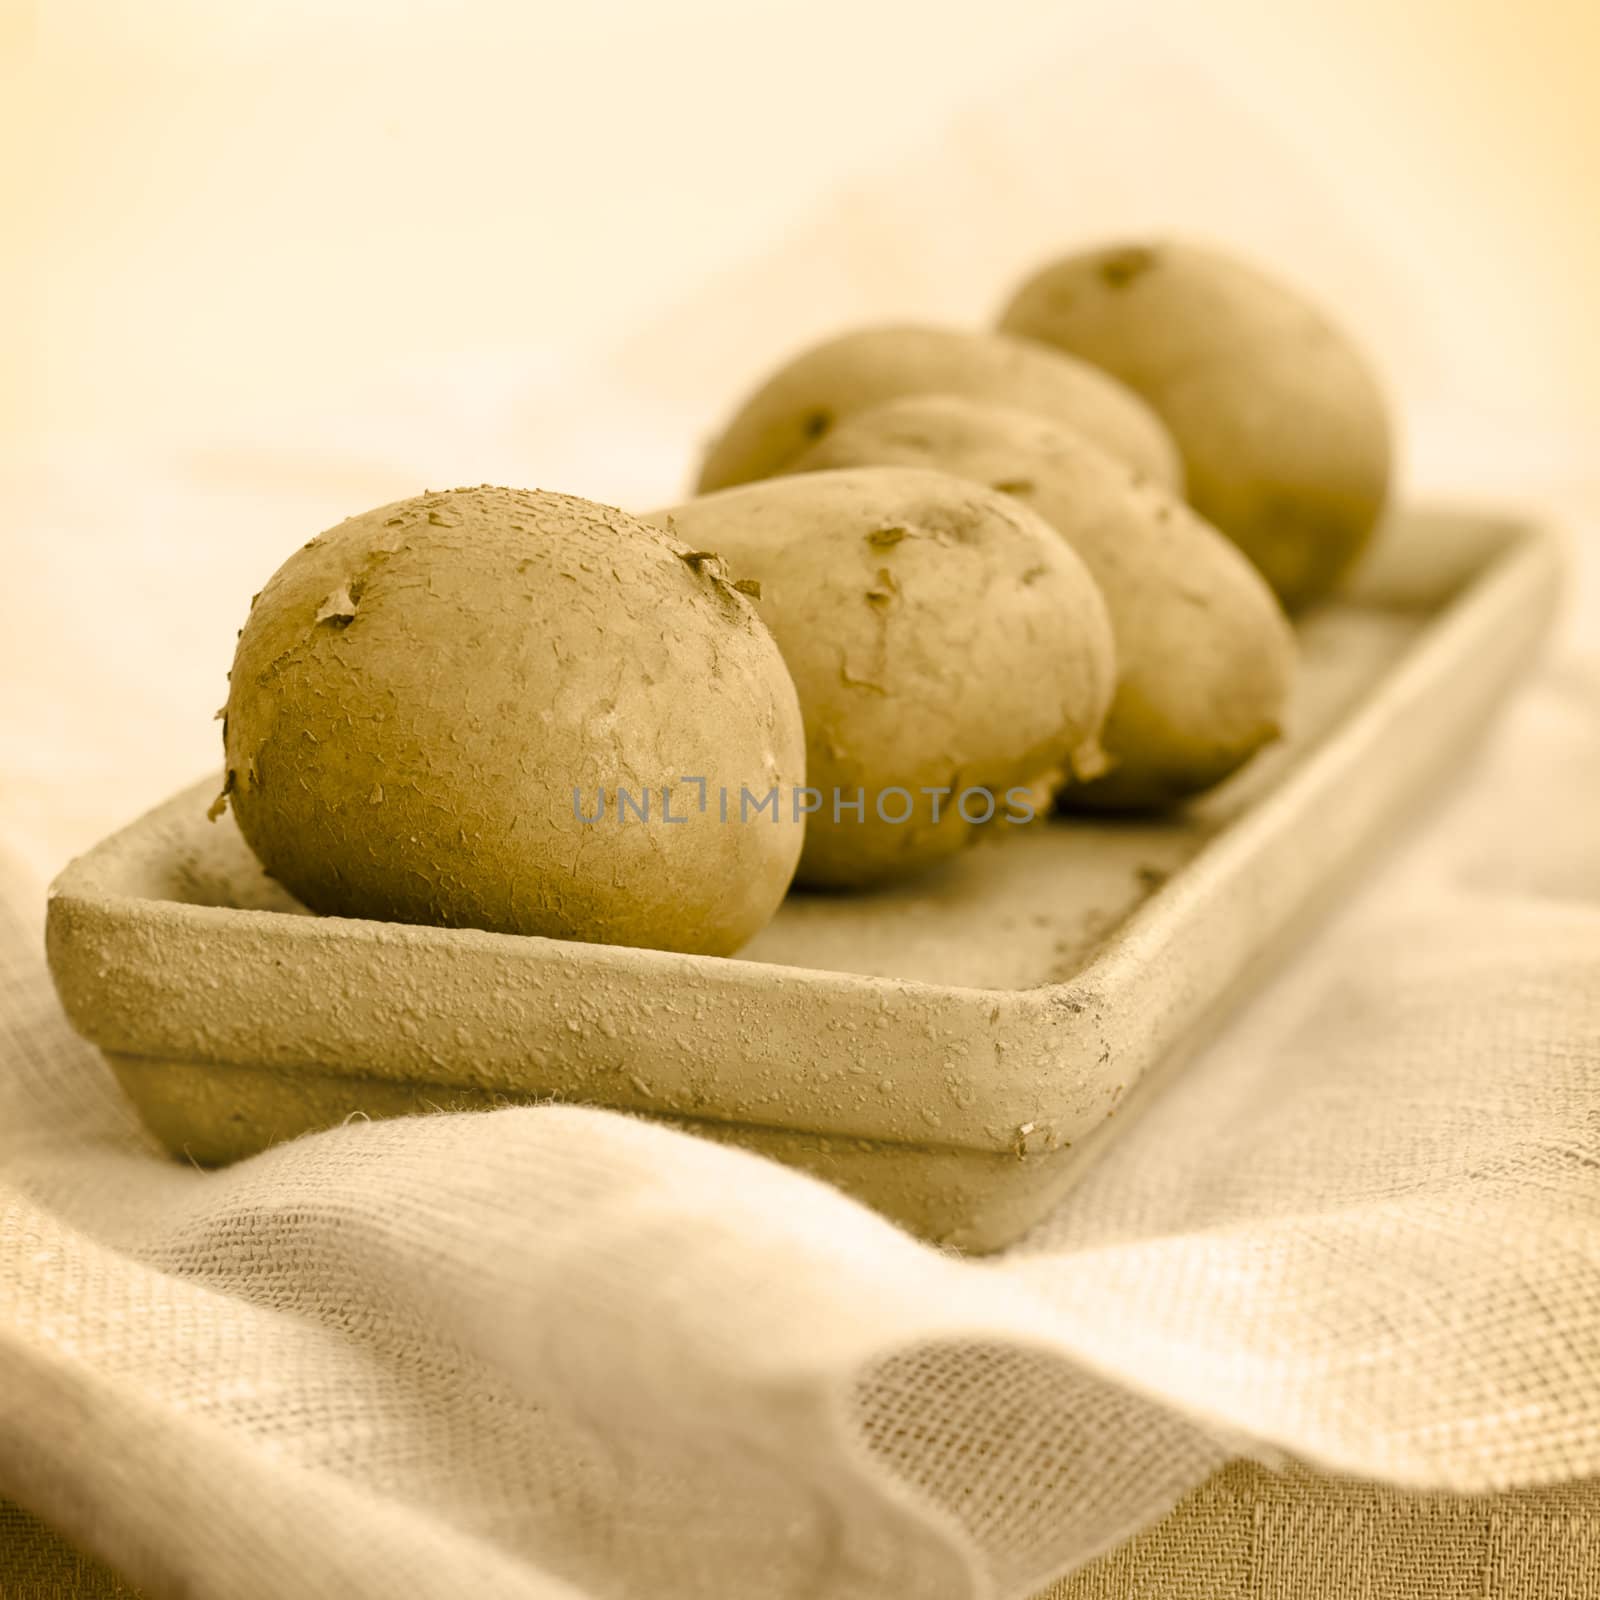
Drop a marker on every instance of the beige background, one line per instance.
(225, 219)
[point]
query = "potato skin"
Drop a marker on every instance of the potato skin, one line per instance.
(939, 634)
(1282, 426)
(417, 693)
(803, 399)
(1205, 656)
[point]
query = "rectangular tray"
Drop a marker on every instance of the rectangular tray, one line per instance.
(950, 1051)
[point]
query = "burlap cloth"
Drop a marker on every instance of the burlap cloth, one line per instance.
(1354, 1249)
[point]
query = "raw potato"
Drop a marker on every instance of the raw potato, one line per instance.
(941, 636)
(811, 394)
(418, 692)
(1205, 655)
(1283, 430)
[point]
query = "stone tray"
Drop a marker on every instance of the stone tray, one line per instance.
(949, 1051)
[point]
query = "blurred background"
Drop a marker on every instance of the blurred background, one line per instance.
(266, 266)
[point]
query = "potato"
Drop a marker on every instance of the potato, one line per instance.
(950, 652)
(1282, 427)
(1204, 653)
(813, 392)
(428, 700)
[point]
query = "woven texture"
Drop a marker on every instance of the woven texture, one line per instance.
(551, 1351)
(1252, 1535)
(1245, 1534)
